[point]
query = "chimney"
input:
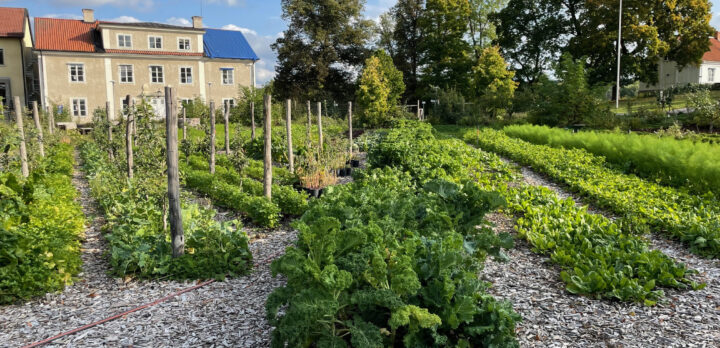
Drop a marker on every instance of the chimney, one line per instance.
(88, 15)
(197, 22)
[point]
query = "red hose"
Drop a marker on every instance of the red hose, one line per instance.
(85, 327)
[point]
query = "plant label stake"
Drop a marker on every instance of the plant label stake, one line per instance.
(267, 179)
(171, 130)
(212, 137)
(288, 125)
(36, 118)
(108, 112)
(21, 133)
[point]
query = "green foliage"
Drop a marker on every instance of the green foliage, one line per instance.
(41, 225)
(381, 87)
(695, 220)
(707, 108)
(493, 82)
(678, 163)
(381, 262)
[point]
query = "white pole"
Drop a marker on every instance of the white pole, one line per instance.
(619, 53)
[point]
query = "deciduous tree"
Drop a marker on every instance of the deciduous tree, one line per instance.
(493, 81)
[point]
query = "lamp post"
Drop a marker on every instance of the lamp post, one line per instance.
(619, 53)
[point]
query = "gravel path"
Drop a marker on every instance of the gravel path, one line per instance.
(554, 318)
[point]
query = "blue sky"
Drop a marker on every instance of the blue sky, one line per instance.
(260, 20)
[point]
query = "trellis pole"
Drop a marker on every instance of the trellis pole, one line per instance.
(36, 118)
(252, 120)
(21, 133)
(171, 130)
(288, 125)
(129, 137)
(320, 133)
(267, 163)
(350, 130)
(51, 119)
(309, 125)
(227, 127)
(108, 112)
(184, 123)
(212, 137)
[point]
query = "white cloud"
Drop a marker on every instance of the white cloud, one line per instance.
(62, 15)
(138, 4)
(183, 22)
(265, 68)
(228, 2)
(125, 19)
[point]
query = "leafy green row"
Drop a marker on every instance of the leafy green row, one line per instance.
(679, 163)
(381, 263)
(41, 225)
(139, 244)
(230, 189)
(597, 258)
(692, 219)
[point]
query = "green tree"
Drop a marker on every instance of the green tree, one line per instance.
(381, 86)
(408, 36)
(707, 108)
(384, 33)
(481, 28)
(493, 82)
(324, 41)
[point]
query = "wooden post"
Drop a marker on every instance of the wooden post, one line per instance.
(171, 130)
(350, 134)
(212, 137)
(288, 125)
(308, 141)
(326, 112)
(108, 112)
(184, 123)
(320, 135)
(51, 119)
(21, 133)
(129, 138)
(418, 110)
(227, 127)
(267, 179)
(36, 118)
(252, 120)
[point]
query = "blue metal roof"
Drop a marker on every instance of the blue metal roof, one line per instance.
(227, 44)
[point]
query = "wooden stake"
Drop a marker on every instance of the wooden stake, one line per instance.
(51, 119)
(309, 126)
(320, 135)
(418, 109)
(350, 134)
(21, 132)
(36, 118)
(171, 130)
(288, 125)
(267, 179)
(129, 137)
(212, 137)
(227, 127)
(184, 124)
(252, 120)
(108, 112)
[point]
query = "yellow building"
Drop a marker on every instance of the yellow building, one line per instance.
(86, 63)
(16, 58)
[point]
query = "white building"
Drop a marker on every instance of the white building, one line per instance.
(708, 72)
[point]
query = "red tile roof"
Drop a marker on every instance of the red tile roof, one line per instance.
(12, 22)
(713, 55)
(53, 34)
(157, 53)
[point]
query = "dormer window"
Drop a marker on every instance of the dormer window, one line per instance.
(155, 42)
(183, 44)
(124, 41)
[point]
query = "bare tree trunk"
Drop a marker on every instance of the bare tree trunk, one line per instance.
(36, 118)
(267, 179)
(184, 124)
(308, 141)
(320, 135)
(51, 120)
(227, 128)
(129, 138)
(350, 134)
(288, 125)
(212, 137)
(252, 120)
(171, 130)
(108, 112)
(21, 133)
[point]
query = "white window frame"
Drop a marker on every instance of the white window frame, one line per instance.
(132, 73)
(711, 74)
(232, 76)
(2, 57)
(154, 40)
(188, 47)
(162, 73)
(82, 66)
(128, 36)
(180, 70)
(72, 107)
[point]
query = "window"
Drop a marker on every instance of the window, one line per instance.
(711, 74)
(2, 57)
(184, 44)
(77, 72)
(229, 102)
(186, 75)
(124, 41)
(126, 74)
(79, 107)
(156, 74)
(155, 42)
(228, 77)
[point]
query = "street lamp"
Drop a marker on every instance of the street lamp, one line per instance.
(619, 53)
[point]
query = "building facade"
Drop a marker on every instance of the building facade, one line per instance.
(17, 64)
(707, 73)
(86, 63)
